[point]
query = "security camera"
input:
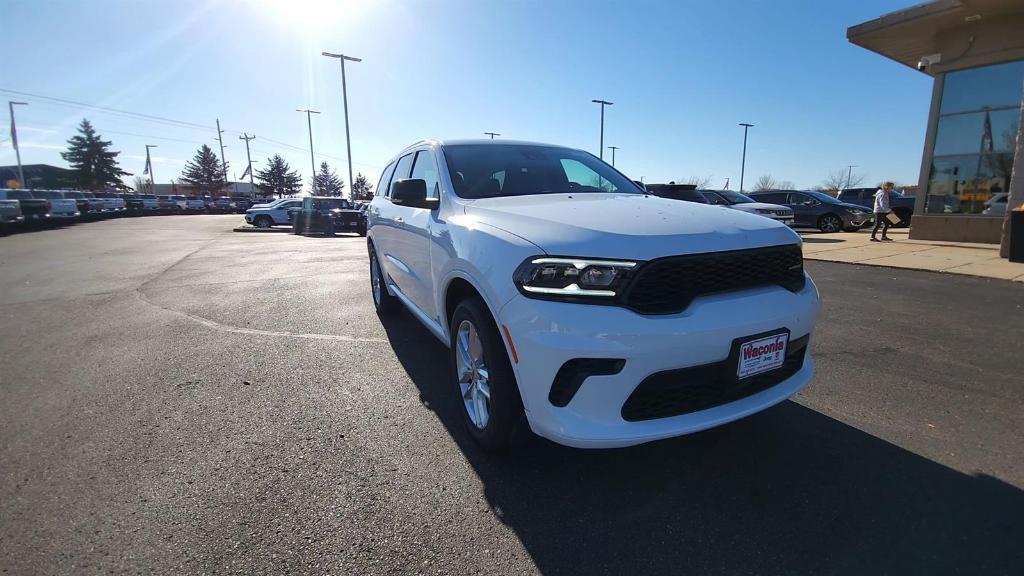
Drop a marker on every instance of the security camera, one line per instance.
(928, 60)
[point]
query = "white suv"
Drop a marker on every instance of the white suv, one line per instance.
(574, 302)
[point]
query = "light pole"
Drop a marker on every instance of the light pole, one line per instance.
(245, 136)
(14, 140)
(849, 172)
(613, 149)
(309, 122)
(492, 134)
(743, 165)
(603, 103)
(344, 98)
(149, 167)
(223, 161)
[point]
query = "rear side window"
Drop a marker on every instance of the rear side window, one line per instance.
(385, 178)
(425, 169)
(401, 171)
(771, 198)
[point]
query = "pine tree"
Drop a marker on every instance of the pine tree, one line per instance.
(278, 178)
(205, 172)
(94, 164)
(327, 183)
(361, 188)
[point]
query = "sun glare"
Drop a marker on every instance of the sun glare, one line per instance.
(315, 15)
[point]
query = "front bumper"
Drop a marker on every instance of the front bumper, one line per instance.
(548, 334)
(856, 220)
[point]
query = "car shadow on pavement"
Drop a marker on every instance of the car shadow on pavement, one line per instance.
(813, 240)
(789, 490)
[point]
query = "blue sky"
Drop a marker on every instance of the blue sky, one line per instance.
(681, 75)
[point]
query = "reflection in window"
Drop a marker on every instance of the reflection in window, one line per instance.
(974, 142)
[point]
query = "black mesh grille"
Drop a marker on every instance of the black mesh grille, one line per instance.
(675, 392)
(668, 285)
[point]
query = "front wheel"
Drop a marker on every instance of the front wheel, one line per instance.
(830, 223)
(264, 222)
(383, 302)
(493, 409)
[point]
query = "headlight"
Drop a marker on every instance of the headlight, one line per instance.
(855, 212)
(764, 211)
(572, 278)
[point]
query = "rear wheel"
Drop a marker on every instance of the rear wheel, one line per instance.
(830, 223)
(492, 407)
(383, 302)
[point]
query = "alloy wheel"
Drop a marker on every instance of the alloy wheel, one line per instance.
(831, 223)
(474, 382)
(375, 279)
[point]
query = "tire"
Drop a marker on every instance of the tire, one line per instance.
(263, 222)
(492, 407)
(829, 223)
(383, 302)
(329, 230)
(362, 231)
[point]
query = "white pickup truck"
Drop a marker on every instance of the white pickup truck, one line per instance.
(61, 208)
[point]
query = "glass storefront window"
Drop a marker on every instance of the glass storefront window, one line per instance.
(974, 142)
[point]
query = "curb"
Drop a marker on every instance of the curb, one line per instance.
(253, 229)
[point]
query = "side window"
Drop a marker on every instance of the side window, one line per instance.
(797, 199)
(385, 177)
(582, 176)
(426, 169)
(401, 171)
(715, 199)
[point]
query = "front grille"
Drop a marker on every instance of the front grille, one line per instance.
(686, 390)
(668, 285)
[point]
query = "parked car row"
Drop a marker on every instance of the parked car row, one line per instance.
(19, 207)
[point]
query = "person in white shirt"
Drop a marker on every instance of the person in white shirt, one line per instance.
(882, 207)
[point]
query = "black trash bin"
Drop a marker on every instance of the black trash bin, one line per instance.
(1017, 236)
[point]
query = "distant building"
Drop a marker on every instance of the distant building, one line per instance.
(42, 176)
(974, 50)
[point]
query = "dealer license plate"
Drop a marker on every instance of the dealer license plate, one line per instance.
(762, 355)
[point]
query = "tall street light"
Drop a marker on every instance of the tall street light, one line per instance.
(14, 140)
(492, 134)
(344, 98)
(603, 103)
(309, 122)
(743, 166)
(149, 168)
(849, 173)
(612, 149)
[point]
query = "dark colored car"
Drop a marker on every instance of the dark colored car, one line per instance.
(241, 205)
(222, 205)
(817, 210)
(327, 214)
(684, 192)
(33, 209)
(902, 206)
(132, 203)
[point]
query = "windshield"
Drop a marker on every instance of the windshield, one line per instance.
(735, 197)
(19, 195)
(493, 170)
(683, 192)
(48, 194)
(822, 196)
(334, 204)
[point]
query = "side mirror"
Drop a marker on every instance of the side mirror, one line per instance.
(412, 192)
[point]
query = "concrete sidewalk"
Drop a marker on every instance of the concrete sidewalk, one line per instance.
(952, 257)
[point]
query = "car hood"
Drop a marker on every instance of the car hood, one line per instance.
(752, 206)
(631, 226)
(852, 206)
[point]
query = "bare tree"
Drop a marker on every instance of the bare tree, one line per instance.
(701, 182)
(785, 185)
(765, 182)
(839, 179)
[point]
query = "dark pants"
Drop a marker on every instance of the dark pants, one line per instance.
(880, 220)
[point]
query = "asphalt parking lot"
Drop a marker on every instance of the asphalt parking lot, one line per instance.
(178, 398)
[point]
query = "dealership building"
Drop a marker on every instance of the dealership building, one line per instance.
(974, 50)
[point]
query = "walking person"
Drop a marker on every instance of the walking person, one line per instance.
(882, 207)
